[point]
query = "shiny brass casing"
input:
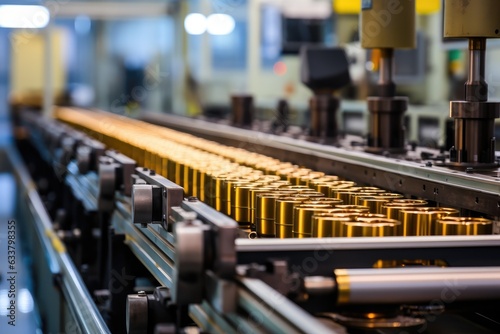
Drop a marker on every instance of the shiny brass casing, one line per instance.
(370, 227)
(464, 226)
(265, 213)
(241, 203)
(302, 218)
(327, 225)
(284, 216)
(392, 208)
(423, 220)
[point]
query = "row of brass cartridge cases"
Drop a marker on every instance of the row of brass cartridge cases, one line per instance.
(273, 198)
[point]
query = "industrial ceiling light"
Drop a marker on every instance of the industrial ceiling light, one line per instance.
(220, 24)
(195, 24)
(23, 16)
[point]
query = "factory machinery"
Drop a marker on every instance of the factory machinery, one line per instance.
(202, 227)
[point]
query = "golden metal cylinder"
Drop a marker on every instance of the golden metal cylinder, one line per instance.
(329, 178)
(218, 190)
(464, 226)
(348, 208)
(298, 188)
(322, 187)
(284, 216)
(346, 194)
(280, 184)
(302, 218)
(341, 186)
(265, 213)
(373, 202)
(188, 180)
(422, 220)
(368, 216)
(327, 226)
(354, 198)
(283, 231)
(240, 203)
(202, 182)
(253, 200)
(392, 208)
(309, 196)
(375, 227)
(322, 200)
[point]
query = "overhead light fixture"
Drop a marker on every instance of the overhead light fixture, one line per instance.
(195, 24)
(220, 24)
(24, 16)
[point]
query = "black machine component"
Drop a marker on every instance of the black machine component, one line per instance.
(474, 118)
(324, 70)
(386, 133)
(242, 110)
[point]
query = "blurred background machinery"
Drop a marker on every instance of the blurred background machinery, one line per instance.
(257, 166)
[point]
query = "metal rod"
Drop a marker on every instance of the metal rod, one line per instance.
(386, 66)
(476, 86)
(414, 285)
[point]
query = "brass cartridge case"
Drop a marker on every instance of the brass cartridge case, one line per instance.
(253, 200)
(309, 196)
(373, 202)
(335, 187)
(227, 195)
(375, 227)
(348, 208)
(319, 200)
(302, 218)
(423, 220)
(464, 226)
(322, 187)
(265, 214)
(284, 216)
(345, 194)
(240, 203)
(368, 216)
(327, 225)
(392, 208)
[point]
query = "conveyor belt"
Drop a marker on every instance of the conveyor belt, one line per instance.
(269, 196)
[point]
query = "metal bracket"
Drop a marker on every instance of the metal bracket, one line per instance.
(126, 169)
(148, 201)
(275, 273)
(189, 262)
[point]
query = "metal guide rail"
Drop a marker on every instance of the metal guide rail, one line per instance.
(207, 261)
(53, 260)
(412, 175)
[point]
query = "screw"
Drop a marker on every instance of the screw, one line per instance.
(189, 217)
(192, 199)
(144, 169)
(428, 164)
(469, 170)
(142, 293)
(152, 172)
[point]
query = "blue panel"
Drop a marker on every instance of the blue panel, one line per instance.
(229, 52)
